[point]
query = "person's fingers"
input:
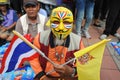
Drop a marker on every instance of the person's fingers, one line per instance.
(59, 69)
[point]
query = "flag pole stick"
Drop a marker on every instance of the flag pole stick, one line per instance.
(61, 65)
(32, 46)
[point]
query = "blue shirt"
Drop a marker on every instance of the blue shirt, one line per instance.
(9, 18)
(43, 12)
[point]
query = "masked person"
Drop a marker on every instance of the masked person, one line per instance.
(58, 44)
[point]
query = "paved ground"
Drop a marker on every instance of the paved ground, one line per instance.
(110, 69)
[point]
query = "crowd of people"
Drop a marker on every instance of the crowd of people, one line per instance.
(84, 11)
(57, 40)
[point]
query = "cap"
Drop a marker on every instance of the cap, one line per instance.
(51, 2)
(2, 2)
(30, 2)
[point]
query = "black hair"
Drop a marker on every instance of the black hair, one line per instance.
(64, 5)
(7, 8)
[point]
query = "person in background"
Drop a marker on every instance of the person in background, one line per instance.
(17, 5)
(84, 9)
(97, 12)
(112, 21)
(32, 22)
(71, 4)
(49, 5)
(59, 2)
(58, 44)
(101, 9)
(9, 21)
(42, 10)
(104, 9)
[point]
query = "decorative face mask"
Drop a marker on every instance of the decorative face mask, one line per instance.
(61, 21)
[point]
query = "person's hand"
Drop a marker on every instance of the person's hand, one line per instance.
(4, 29)
(63, 71)
(45, 78)
(0, 26)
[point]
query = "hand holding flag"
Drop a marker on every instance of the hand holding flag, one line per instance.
(89, 61)
(90, 66)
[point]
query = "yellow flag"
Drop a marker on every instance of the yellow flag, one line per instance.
(48, 23)
(89, 61)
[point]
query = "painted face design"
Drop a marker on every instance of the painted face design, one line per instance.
(61, 22)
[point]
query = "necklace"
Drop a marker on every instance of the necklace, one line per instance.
(59, 56)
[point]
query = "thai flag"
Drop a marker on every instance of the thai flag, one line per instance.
(17, 52)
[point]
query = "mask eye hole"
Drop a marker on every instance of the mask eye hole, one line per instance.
(56, 22)
(67, 22)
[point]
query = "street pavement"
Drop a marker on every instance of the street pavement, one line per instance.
(110, 69)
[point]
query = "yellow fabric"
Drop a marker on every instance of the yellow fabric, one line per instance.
(82, 45)
(3, 0)
(89, 61)
(61, 22)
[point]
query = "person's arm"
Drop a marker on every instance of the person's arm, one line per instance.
(81, 45)
(67, 71)
(35, 63)
(15, 18)
(11, 26)
(18, 27)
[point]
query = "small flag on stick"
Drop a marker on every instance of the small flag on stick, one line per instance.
(89, 61)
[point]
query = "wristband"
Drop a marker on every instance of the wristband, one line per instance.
(40, 75)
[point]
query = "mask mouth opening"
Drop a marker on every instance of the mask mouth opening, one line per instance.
(60, 36)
